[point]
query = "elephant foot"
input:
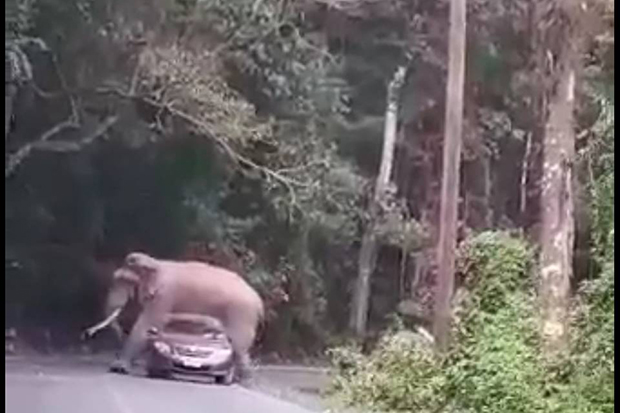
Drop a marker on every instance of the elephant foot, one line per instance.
(119, 366)
(243, 376)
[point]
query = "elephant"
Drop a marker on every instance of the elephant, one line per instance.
(163, 287)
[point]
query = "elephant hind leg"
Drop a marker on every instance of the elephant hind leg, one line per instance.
(241, 338)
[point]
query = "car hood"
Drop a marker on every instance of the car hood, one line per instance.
(177, 339)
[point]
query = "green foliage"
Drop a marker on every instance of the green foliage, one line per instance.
(599, 154)
(493, 365)
(402, 374)
(494, 267)
(275, 66)
(590, 383)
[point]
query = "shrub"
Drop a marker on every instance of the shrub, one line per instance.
(493, 365)
(400, 375)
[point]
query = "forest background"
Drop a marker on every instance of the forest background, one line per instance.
(250, 134)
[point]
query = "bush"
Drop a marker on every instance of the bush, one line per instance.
(493, 365)
(589, 386)
(402, 374)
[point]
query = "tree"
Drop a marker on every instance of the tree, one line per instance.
(562, 41)
(450, 176)
(368, 252)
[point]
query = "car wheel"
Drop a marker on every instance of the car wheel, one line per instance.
(226, 379)
(158, 373)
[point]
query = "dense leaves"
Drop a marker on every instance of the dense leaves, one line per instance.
(495, 363)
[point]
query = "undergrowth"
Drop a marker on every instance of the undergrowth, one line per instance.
(494, 363)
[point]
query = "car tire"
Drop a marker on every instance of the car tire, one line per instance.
(226, 379)
(158, 373)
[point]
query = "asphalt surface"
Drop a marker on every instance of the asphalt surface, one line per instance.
(73, 386)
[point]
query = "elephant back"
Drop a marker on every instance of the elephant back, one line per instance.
(215, 291)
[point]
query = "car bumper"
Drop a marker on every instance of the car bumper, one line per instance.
(187, 366)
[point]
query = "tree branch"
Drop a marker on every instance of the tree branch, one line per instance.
(16, 158)
(43, 143)
(234, 155)
(71, 146)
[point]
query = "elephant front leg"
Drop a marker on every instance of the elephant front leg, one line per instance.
(132, 348)
(118, 332)
(243, 367)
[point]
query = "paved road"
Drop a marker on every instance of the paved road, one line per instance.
(80, 387)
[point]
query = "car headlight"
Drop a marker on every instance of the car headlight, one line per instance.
(220, 356)
(162, 347)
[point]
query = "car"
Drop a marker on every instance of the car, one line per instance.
(190, 345)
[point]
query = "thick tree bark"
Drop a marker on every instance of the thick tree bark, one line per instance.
(560, 42)
(450, 175)
(557, 209)
(368, 252)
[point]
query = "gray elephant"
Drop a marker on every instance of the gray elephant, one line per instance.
(164, 287)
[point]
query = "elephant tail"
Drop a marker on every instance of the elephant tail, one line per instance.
(261, 323)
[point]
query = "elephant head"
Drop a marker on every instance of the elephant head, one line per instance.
(139, 271)
(132, 285)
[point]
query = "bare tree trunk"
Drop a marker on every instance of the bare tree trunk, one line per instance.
(557, 208)
(450, 175)
(560, 34)
(368, 252)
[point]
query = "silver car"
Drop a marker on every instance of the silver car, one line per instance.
(190, 345)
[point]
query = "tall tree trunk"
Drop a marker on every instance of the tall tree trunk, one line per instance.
(450, 175)
(368, 252)
(559, 38)
(557, 207)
